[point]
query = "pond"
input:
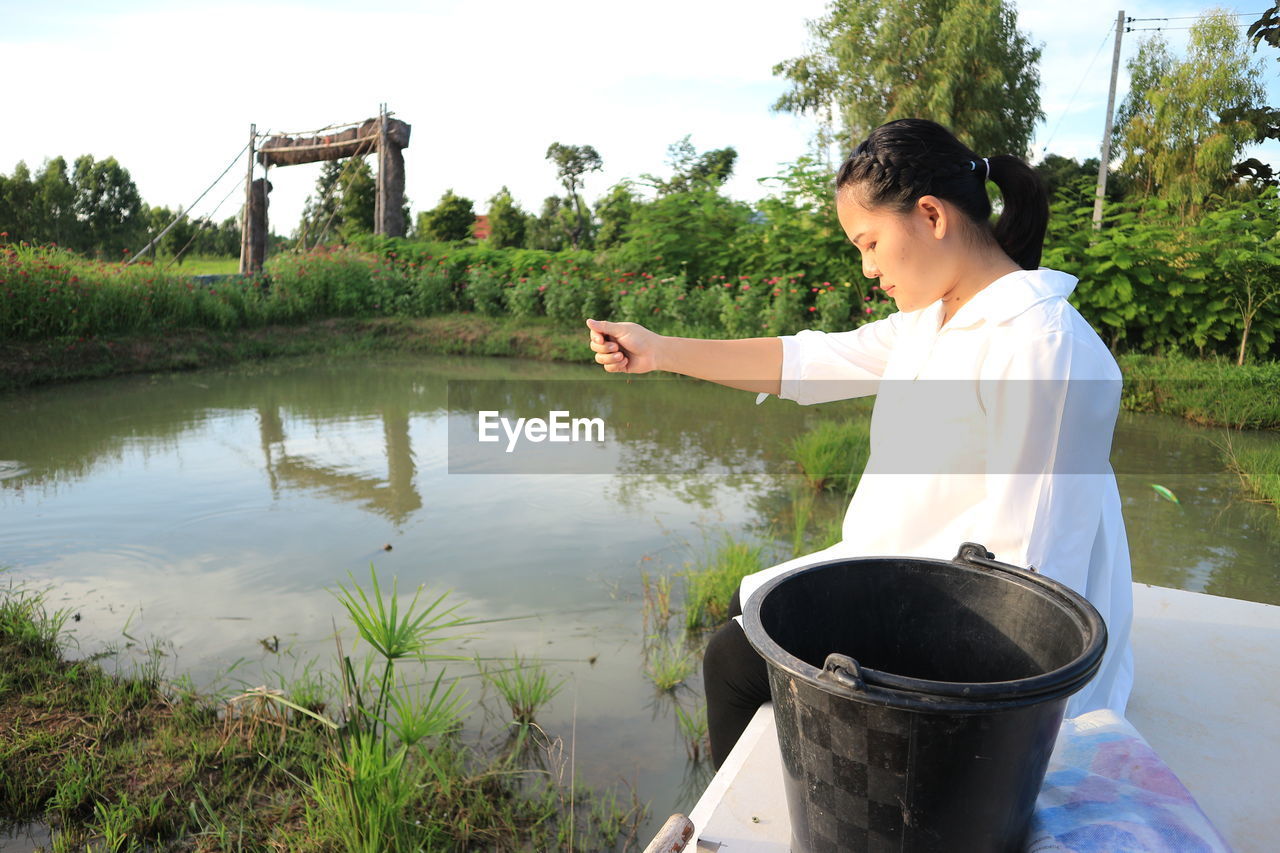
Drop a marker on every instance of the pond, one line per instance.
(214, 512)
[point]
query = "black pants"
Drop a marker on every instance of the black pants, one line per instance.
(736, 680)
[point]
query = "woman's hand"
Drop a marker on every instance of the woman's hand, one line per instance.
(624, 347)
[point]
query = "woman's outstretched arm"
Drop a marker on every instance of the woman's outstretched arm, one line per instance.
(750, 364)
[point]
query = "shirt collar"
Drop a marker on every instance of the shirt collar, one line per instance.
(1009, 296)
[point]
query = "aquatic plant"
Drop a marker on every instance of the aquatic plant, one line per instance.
(668, 662)
(832, 454)
(525, 685)
(693, 728)
(709, 589)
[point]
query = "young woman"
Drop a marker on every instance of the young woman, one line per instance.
(995, 401)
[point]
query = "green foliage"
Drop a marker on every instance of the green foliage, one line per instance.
(694, 232)
(107, 204)
(358, 200)
(525, 686)
(1152, 283)
(342, 206)
(572, 162)
(832, 454)
(95, 209)
(550, 230)
(507, 222)
(796, 229)
(668, 662)
(945, 60)
(710, 588)
(451, 219)
(1171, 127)
(692, 170)
(614, 211)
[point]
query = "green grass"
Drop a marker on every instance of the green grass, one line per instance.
(121, 763)
(832, 454)
(1258, 467)
(693, 728)
(1214, 392)
(669, 661)
(200, 265)
(709, 588)
(524, 685)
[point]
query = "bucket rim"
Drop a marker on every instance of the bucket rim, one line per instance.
(899, 690)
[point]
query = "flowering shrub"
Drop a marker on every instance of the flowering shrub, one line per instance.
(524, 296)
(482, 290)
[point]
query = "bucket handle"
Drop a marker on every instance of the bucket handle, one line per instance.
(977, 555)
(843, 670)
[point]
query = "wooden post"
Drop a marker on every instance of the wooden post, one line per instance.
(393, 192)
(248, 201)
(380, 206)
(257, 244)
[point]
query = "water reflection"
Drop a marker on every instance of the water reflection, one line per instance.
(216, 508)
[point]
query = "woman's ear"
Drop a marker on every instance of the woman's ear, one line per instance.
(933, 215)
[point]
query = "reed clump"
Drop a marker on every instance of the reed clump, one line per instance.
(132, 762)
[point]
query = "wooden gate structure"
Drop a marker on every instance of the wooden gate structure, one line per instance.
(384, 134)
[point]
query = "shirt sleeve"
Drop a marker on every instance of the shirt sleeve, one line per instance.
(818, 367)
(1051, 411)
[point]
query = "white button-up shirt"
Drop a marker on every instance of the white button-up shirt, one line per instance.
(995, 428)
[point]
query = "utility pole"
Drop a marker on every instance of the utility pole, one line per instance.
(245, 251)
(1106, 134)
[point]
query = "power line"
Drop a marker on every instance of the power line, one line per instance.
(182, 213)
(1105, 36)
(1158, 29)
(1194, 17)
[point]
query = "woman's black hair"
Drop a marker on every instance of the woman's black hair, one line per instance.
(912, 157)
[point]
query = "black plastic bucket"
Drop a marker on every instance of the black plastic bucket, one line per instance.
(917, 701)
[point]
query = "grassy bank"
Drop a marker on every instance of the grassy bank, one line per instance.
(1212, 392)
(132, 762)
(34, 363)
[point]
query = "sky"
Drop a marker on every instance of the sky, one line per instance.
(170, 89)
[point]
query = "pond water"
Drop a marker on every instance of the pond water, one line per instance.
(215, 510)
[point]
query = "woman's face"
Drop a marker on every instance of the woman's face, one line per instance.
(903, 250)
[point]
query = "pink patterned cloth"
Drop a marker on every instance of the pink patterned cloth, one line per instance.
(1106, 791)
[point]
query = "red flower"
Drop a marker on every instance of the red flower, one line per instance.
(811, 308)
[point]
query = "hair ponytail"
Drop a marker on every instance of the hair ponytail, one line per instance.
(1021, 226)
(902, 160)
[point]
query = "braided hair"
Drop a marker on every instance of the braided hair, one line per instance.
(912, 157)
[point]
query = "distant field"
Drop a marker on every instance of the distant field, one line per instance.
(201, 265)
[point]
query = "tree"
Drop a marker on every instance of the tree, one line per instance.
(507, 222)
(108, 205)
(17, 205)
(452, 219)
(54, 206)
(1171, 128)
(572, 162)
(1061, 172)
(1265, 119)
(1244, 245)
(343, 202)
(615, 211)
(691, 169)
(961, 63)
(357, 200)
(553, 227)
